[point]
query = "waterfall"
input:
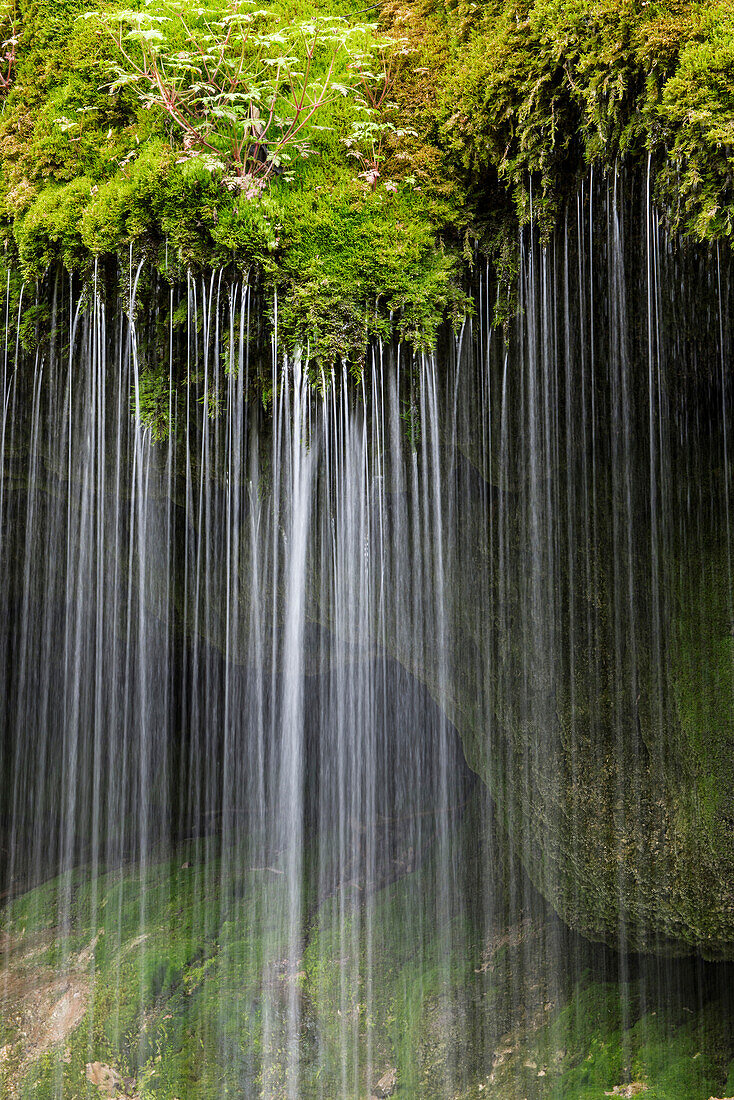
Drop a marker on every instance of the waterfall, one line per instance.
(357, 724)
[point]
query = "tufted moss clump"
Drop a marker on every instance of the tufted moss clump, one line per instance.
(527, 95)
(352, 259)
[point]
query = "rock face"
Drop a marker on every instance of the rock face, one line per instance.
(555, 556)
(588, 651)
(609, 751)
(618, 794)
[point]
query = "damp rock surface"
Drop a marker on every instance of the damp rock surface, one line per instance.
(42, 1004)
(386, 1085)
(163, 1002)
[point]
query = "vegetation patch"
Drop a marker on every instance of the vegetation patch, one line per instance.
(359, 168)
(202, 135)
(168, 980)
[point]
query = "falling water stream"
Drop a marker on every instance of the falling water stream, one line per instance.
(342, 720)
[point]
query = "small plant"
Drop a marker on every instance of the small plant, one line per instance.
(9, 47)
(244, 91)
(371, 132)
(366, 143)
(411, 418)
(150, 401)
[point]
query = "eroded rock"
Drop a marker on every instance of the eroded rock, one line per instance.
(107, 1079)
(42, 1006)
(109, 1082)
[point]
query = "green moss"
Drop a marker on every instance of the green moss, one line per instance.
(350, 257)
(703, 680)
(501, 107)
(696, 116)
(532, 93)
(180, 953)
(50, 230)
(86, 174)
